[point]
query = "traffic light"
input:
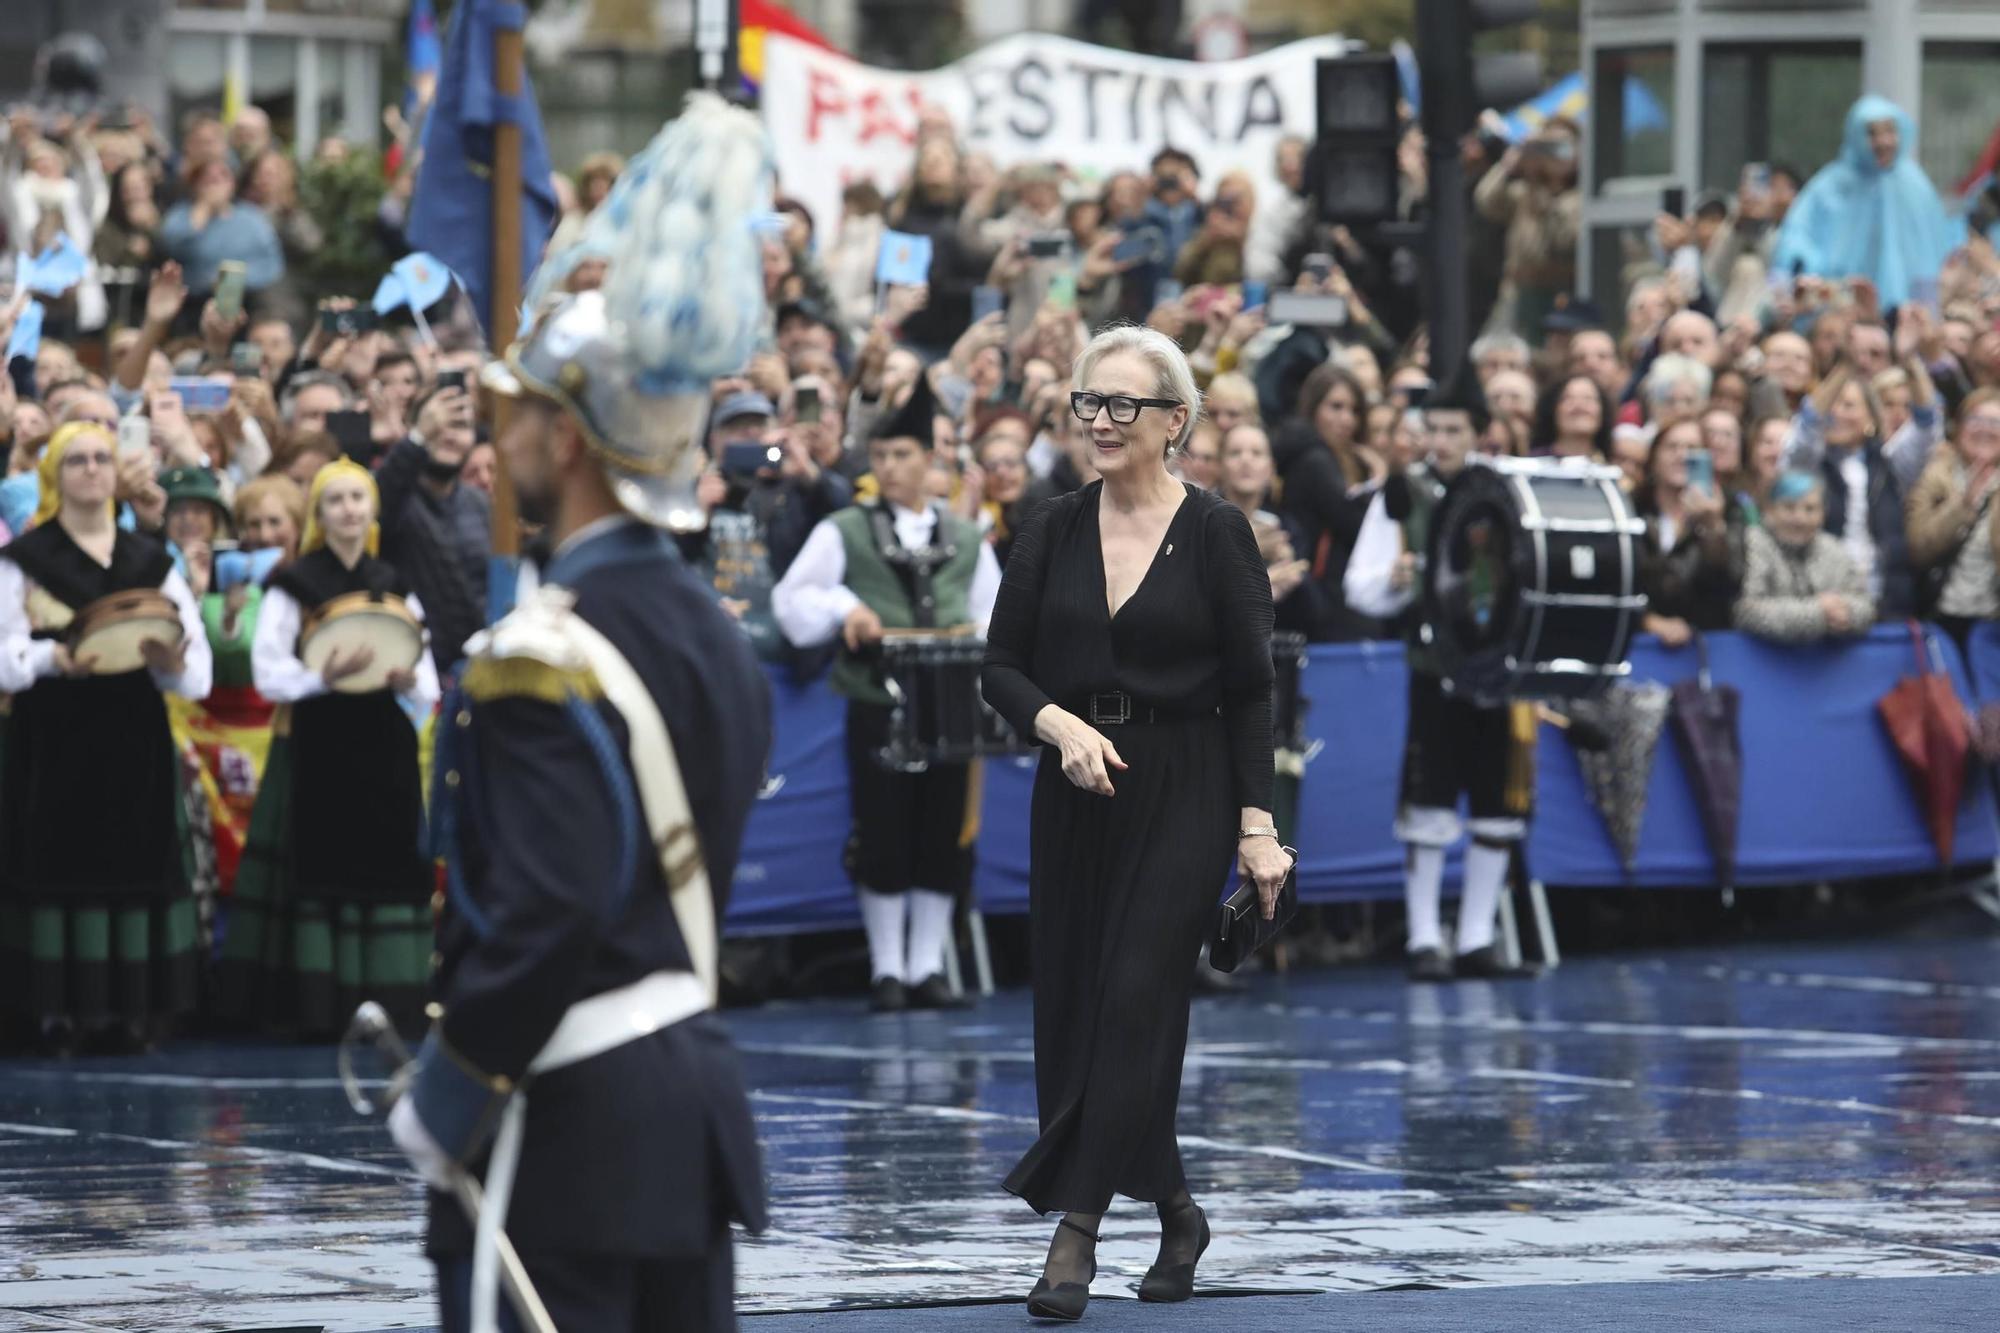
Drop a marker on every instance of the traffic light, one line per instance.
(1458, 84)
(1352, 171)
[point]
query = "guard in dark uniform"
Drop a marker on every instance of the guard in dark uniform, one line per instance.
(595, 776)
(898, 562)
(1453, 748)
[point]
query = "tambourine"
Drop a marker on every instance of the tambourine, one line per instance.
(110, 629)
(355, 620)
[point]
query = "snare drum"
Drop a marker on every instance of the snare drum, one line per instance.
(110, 629)
(378, 620)
(1531, 585)
(938, 715)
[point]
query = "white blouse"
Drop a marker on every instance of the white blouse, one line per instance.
(25, 659)
(282, 678)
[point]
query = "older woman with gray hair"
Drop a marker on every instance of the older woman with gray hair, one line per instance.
(1132, 639)
(1676, 388)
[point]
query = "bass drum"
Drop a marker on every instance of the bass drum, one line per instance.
(1531, 581)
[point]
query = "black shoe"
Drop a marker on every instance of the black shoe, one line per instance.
(1064, 1300)
(889, 997)
(1167, 1283)
(1429, 965)
(934, 992)
(1484, 964)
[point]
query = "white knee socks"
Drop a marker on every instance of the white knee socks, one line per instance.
(1423, 883)
(930, 934)
(882, 918)
(1485, 876)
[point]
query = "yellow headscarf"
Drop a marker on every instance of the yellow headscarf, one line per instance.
(48, 472)
(316, 533)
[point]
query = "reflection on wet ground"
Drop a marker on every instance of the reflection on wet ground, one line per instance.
(1771, 1112)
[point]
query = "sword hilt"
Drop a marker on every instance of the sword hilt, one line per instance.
(371, 1026)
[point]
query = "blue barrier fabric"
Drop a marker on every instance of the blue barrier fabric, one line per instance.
(1825, 795)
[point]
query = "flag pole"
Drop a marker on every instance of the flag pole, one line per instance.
(506, 293)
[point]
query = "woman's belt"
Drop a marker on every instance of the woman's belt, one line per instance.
(1115, 708)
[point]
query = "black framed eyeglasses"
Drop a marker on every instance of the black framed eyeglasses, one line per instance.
(1124, 410)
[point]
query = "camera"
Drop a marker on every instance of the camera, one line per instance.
(1048, 244)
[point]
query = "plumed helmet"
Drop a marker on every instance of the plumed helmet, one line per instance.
(682, 303)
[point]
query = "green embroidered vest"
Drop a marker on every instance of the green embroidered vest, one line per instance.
(885, 590)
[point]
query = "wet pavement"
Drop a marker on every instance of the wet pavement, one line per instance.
(1772, 1112)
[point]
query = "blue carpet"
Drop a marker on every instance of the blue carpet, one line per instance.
(1815, 1306)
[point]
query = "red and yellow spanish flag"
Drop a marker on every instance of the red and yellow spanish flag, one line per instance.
(757, 17)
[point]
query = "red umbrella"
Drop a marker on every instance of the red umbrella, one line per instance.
(1927, 724)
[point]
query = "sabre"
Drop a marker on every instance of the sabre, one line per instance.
(370, 1026)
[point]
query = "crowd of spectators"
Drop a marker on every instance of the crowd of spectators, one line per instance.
(1808, 456)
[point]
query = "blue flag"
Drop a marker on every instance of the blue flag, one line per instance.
(26, 339)
(451, 210)
(904, 259)
(55, 270)
(417, 280)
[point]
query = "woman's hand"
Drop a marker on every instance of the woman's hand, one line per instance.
(162, 658)
(402, 680)
(74, 667)
(1262, 860)
(1287, 576)
(1087, 757)
(339, 668)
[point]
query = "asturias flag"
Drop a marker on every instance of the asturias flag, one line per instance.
(451, 209)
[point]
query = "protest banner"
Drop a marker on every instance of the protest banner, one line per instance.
(1032, 97)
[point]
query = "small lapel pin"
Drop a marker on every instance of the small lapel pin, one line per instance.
(1170, 548)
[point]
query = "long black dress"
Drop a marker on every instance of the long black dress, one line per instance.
(332, 902)
(1122, 890)
(97, 921)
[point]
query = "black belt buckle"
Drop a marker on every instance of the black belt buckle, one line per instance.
(1120, 701)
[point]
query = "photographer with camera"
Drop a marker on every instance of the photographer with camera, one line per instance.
(1533, 190)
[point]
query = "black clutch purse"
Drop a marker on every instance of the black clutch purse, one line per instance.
(1240, 927)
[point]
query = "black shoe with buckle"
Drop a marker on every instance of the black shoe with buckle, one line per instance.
(1429, 965)
(1483, 964)
(934, 992)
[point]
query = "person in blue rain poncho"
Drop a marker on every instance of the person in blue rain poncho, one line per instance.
(1872, 212)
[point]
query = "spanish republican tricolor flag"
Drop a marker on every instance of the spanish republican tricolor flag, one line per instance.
(758, 17)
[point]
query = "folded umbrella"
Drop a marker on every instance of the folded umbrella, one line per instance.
(1705, 721)
(1928, 727)
(1628, 719)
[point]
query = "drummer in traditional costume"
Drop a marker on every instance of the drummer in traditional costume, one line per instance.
(897, 562)
(596, 770)
(1453, 748)
(99, 923)
(332, 902)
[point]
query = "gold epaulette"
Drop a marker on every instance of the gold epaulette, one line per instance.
(530, 655)
(489, 678)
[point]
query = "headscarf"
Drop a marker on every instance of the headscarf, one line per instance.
(1854, 218)
(49, 471)
(1793, 485)
(315, 536)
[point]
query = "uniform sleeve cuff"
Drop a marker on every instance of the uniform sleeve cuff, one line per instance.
(459, 1104)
